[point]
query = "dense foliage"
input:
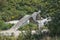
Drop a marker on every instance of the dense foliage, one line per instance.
(4, 26)
(16, 9)
(54, 25)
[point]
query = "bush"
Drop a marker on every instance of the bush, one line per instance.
(4, 26)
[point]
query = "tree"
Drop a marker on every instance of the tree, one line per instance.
(16, 9)
(54, 25)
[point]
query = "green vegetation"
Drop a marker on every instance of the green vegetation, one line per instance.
(7, 38)
(16, 9)
(4, 26)
(54, 26)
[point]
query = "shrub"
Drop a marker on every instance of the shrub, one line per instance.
(4, 26)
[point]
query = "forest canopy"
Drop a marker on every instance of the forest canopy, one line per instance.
(16, 9)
